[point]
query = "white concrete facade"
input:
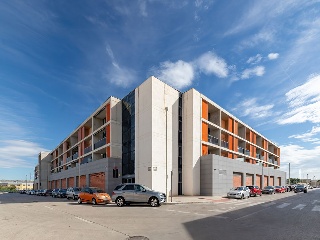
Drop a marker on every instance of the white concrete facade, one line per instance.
(152, 141)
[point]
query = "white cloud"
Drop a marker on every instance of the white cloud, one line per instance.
(179, 74)
(251, 108)
(18, 153)
(143, 8)
(304, 103)
(255, 59)
(210, 63)
(300, 158)
(256, 71)
(273, 56)
(307, 136)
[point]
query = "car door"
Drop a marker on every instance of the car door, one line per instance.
(128, 193)
(140, 194)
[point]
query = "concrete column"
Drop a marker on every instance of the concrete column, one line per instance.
(268, 180)
(87, 180)
(254, 178)
(244, 178)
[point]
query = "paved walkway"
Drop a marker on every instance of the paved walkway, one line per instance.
(196, 199)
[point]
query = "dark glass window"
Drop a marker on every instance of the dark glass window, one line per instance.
(128, 187)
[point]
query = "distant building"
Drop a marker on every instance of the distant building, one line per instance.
(160, 137)
(19, 184)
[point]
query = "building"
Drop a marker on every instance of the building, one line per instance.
(178, 143)
(19, 184)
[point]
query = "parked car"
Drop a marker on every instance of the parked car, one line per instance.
(254, 191)
(279, 189)
(268, 190)
(93, 195)
(239, 192)
(54, 192)
(39, 192)
(73, 192)
(46, 192)
(301, 188)
(127, 193)
(62, 193)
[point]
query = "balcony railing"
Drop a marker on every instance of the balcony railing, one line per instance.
(86, 160)
(100, 143)
(69, 159)
(212, 139)
(87, 149)
(75, 156)
(247, 152)
(258, 156)
(224, 144)
(241, 150)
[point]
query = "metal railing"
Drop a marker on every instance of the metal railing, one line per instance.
(100, 143)
(87, 149)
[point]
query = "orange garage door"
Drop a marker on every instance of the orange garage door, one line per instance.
(265, 182)
(279, 181)
(271, 181)
(249, 179)
(258, 180)
(63, 183)
(237, 179)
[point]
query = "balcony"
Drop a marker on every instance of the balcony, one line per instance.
(213, 140)
(87, 149)
(100, 143)
(241, 150)
(258, 156)
(86, 160)
(75, 156)
(69, 159)
(224, 144)
(247, 152)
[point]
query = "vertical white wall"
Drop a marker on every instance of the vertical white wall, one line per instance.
(191, 146)
(116, 127)
(152, 97)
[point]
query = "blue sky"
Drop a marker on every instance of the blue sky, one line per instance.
(60, 60)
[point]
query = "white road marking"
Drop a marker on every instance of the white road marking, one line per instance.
(300, 206)
(316, 208)
(48, 207)
(257, 203)
(315, 201)
(170, 210)
(84, 220)
(283, 205)
(219, 217)
(201, 214)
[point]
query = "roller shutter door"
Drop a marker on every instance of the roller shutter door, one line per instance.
(237, 179)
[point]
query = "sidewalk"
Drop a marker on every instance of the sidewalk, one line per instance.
(196, 199)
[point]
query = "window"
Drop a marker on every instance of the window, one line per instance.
(129, 187)
(115, 173)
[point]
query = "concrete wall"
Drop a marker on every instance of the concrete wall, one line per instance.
(191, 145)
(152, 97)
(217, 174)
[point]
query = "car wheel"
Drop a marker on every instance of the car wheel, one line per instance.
(79, 200)
(74, 197)
(94, 201)
(241, 197)
(120, 201)
(67, 198)
(154, 202)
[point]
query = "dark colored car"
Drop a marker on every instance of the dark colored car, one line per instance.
(46, 192)
(254, 191)
(268, 190)
(62, 193)
(54, 192)
(301, 188)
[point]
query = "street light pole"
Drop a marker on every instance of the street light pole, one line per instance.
(166, 108)
(289, 175)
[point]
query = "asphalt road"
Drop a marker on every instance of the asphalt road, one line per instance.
(281, 216)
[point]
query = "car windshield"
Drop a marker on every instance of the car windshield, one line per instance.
(277, 187)
(239, 188)
(269, 187)
(96, 190)
(77, 189)
(146, 188)
(118, 187)
(299, 186)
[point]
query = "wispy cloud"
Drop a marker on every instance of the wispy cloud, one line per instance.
(301, 158)
(255, 59)
(143, 7)
(252, 109)
(308, 135)
(256, 71)
(18, 153)
(273, 56)
(303, 102)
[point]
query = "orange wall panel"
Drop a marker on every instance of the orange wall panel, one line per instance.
(204, 150)
(204, 131)
(258, 180)
(82, 180)
(237, 180)
(249, 179)
(108, 151)
(271, 181)
(63, 183)
(230, 125)
(71, 182)
(265, 183)
(108, 133)
(235, 128)
(204, 109)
